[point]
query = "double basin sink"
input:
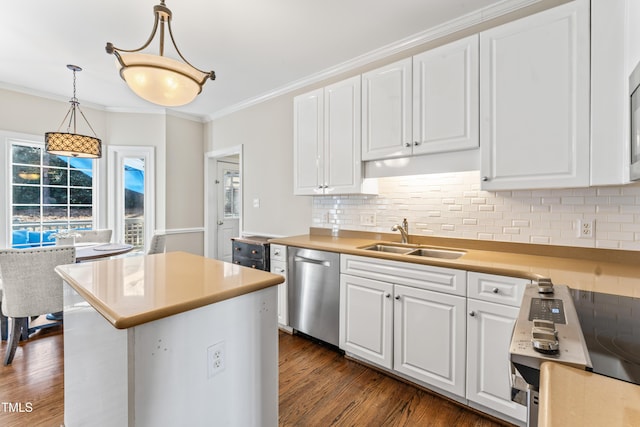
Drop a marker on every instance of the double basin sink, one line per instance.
(429, 252)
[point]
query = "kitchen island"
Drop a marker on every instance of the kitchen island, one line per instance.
(169, 339)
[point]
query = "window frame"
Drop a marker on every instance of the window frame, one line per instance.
(36, 141)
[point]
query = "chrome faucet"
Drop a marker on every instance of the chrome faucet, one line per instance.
(403, 229)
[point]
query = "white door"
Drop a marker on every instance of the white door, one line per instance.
(366, 319)
(228, 207)
(386, 111)
(445, 98)
(534, 101)
(131, 200)
(489, 328)
(430, 337)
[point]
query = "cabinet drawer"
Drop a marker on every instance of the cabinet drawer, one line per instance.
(278, 252)
(279, 267)
(248, 250)
(494, 288)
(250, 262)
(447, 280)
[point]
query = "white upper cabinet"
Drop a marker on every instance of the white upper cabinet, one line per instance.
(445, 98)
(420, 105)
(534, 101)
(308, 147)
(386, 111)
(327, 140)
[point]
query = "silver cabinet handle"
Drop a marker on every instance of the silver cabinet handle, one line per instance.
(407, 144)
(282, 270)
(387, 295)
(495, 290)
(397, 297)
(485, 178)
(276, 252)
(416, 143)
(220, 222)
(472, 313)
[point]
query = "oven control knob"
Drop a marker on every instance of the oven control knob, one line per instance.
(545, 342)
(545, 286)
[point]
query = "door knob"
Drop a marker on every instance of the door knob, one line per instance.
(472, 313)
(220, 222)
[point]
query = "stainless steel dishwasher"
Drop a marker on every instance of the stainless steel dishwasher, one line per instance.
(314, 293)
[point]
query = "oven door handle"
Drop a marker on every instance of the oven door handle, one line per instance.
(519, 388)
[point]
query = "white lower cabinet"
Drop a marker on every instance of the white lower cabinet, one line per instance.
(397, 316)
(366, 319)
(412, 330)
(279, 266)
(489, 327)
(429, 337)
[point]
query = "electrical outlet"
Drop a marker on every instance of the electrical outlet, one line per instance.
(368, 219)
(586, 228)
(215, 359)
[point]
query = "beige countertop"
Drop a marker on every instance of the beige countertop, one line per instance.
(571, 397)
(601, 270)
(134, 290)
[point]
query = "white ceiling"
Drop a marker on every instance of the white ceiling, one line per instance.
(256, 47)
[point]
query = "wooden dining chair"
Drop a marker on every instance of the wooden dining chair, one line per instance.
(96, 236)
(158, 243)
(31, 288)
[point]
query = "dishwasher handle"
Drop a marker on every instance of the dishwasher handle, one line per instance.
(312, 261)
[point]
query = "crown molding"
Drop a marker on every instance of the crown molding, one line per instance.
(463, 22)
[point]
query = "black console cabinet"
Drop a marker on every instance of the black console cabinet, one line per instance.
(252, 251)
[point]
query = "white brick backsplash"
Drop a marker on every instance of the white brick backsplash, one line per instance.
(453, 205)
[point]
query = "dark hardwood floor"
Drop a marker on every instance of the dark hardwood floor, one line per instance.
(318, 387)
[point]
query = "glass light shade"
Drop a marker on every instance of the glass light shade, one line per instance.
(161, 80)
(73, 145)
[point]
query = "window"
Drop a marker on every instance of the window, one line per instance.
(48, 193)
(231, 192)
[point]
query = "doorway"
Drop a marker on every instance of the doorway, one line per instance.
(223, 204)
(131, 200)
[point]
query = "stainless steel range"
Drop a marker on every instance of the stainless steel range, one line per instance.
(547, 328)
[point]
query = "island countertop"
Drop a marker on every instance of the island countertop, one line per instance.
(134, 290)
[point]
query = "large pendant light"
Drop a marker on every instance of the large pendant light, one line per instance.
(72, 144)
(157, 78)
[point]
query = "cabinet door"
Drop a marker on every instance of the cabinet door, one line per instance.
(308, 137)
(534, 100)
(489, 328)
(445, 98)
(386, 111)
(342, 147)
(280, 267)
(429, 337)
(366, 319)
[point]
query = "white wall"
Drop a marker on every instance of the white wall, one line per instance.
(266, 133)
(185, 185)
